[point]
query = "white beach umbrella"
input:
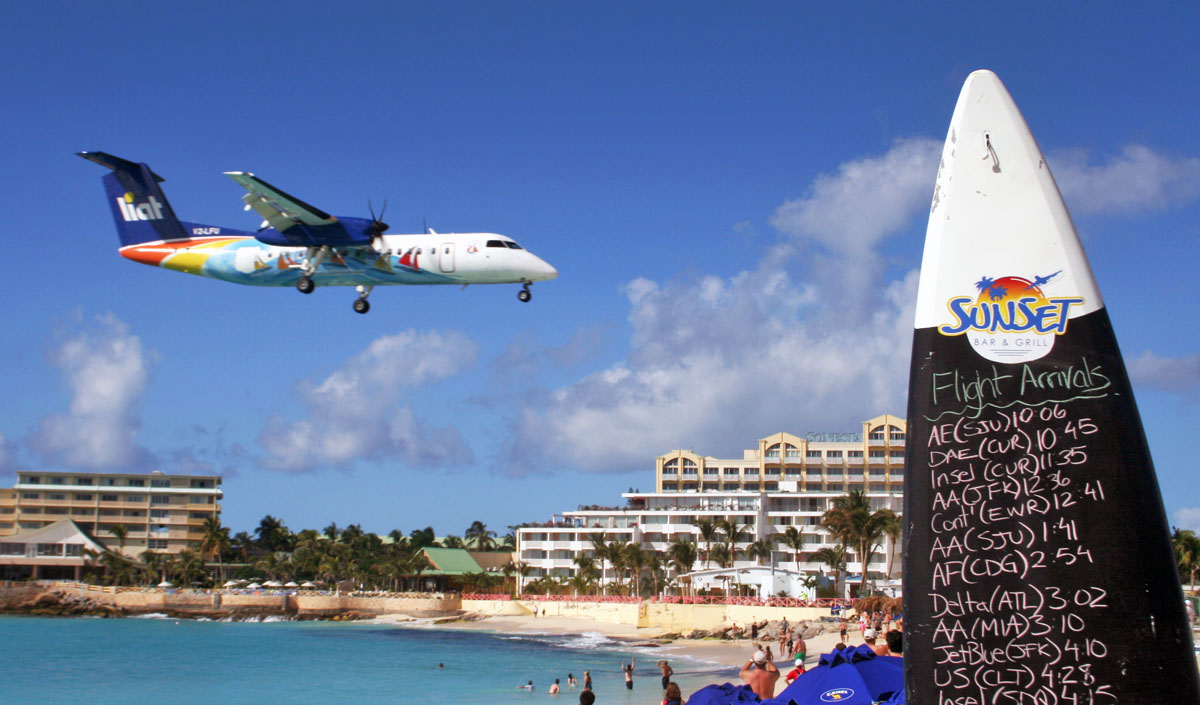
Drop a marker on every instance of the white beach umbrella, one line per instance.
(290, 584)
(253, 586)
(230, 583)
(165, 584)
(272, 583)
(307, 584)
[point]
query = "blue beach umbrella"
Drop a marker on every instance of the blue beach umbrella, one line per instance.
(724, 694)
(852, 676)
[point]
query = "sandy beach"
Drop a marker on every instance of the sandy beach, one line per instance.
(731, 653)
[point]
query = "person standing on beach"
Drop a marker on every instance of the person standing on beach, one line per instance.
(843, 625)
(629, 672)
(666, 672)
(800, 649)
(587, 681)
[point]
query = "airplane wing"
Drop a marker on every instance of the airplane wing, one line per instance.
(280, 209)
(294, 222)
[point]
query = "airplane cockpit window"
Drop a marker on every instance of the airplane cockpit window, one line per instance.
(512, 245)
(496, 243)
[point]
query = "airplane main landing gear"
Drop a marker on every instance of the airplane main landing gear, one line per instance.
(524, 294)
(305, 285)
(361, 305)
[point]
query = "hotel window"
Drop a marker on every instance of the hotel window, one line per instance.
(33, 480)
(199, 515)
(110, 512)
(854, 454)
(57, 496)
(58, 480)
(877, 455)
(7, 510)
(56, 510)
(896, 454)
(876, 436)
(74, 550)
(132, 482)
(81, 510)
(108, 498)
(793, 453)
(833, 454)
(135, 498)
(83, 480)
(134, 513)
(12, 549)
(202, 484)
(710, 472)
(159, 513)
(812, 454)
(731, 472)
(898, 435)
(6, 525)
(83, 498)
(31, 510)
(160, 483)
(878, 488)
(156, 543)
(49, 549)
(108, 481)
(29, 495)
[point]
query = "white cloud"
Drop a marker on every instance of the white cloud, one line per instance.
(1137, 179)
(106, 370)
(718, 362)
(1187, 518)
(356, 412)
(867, 200)
(1172, 374)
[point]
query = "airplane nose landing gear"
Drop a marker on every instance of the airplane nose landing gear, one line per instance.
(361, 305)
(524, 294)
(305, 285)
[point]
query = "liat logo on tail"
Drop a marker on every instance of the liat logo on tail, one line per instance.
(151, 210)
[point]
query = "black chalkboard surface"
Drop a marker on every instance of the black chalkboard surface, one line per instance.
(1038, 567)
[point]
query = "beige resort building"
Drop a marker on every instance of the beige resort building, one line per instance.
(160, 512)
(787, 480)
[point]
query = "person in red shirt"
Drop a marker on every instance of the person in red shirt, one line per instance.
(795, 672)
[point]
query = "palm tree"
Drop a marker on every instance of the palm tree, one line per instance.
(616, 556)
(760, 550)
(188, 567)
(522, 571)
(793, 539)
(682, 554)
(635, 559)
(853, 523)
(478, 535)
(733, 534)
(420, 538)
(216, 540)
(1187, 553)
(120, 533)
(332, 531)
(453, 541)
(601, 553)
(707, 528)
(581, 583)
(720, 553)
(835, 558)
(271, 533)
(893, 529)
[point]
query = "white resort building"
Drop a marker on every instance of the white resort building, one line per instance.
(786, 481)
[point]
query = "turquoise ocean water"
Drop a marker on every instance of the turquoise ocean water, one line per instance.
(161, 661)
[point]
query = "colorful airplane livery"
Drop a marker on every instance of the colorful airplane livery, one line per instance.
(302, 246)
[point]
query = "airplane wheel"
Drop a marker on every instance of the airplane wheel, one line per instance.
(361, 306)
(524, 295)
(305, 285)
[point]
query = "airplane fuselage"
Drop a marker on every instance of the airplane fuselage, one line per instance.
(433, 258)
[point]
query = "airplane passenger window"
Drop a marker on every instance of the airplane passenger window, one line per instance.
(447, 251)
(496, 243)
(513, 245)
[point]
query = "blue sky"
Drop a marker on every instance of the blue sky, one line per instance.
(734, 194)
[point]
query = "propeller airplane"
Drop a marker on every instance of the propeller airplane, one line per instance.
(300, 245)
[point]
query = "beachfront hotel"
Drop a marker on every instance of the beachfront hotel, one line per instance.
(159, 512)
(785, 481)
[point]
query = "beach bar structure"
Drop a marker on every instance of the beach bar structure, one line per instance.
(59, 551)
(786, 481)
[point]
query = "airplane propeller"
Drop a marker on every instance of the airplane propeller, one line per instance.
(377, 226)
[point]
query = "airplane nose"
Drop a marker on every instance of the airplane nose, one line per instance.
(547, 272)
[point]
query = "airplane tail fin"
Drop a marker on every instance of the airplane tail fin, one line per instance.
(140, 209)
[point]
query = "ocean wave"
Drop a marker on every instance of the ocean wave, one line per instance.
(150, 615)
